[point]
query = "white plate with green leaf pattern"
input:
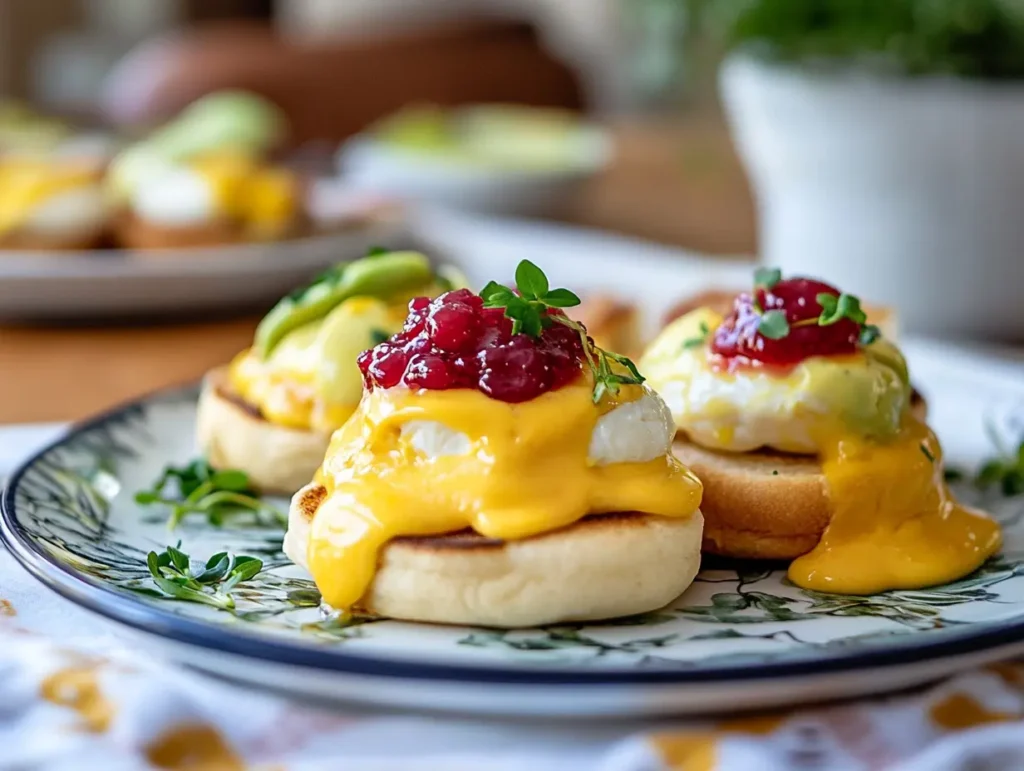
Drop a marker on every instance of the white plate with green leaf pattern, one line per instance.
(740, 637)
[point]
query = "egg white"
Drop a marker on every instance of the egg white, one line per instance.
(82, 210)
(795, 411)
(176, 197)
(635, 432)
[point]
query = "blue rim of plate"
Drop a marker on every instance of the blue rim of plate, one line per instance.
(93, 595)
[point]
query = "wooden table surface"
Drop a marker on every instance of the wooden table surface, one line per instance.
(677, 182)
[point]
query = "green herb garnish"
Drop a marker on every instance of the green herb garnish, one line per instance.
(174, 576)
(868, 334)
(198, 488)
(696, 342)
(835, 309)
(378, 336)
(766, 278)
(773, 325)
(528, 311)
(927, 453)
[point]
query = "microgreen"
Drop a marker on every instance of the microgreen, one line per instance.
(378, 336)
(868, 334)
(835, 309)
(696, 342)
(198, 488)
(766, 278)
(773, 325)
(529, 312)
(211, 584)
(1005, 470)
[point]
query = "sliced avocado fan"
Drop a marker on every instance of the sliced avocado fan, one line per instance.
(377, 275)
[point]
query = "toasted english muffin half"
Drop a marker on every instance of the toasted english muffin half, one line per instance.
(762, 505)
(233, 435)
(604, 566)
(132, 232)
(34, 242)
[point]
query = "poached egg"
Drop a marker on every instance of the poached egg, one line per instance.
(415, 462)
(894, 523)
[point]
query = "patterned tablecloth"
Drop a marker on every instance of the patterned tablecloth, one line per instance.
(75, 694)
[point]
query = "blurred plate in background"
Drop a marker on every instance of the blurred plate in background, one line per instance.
(38, 286)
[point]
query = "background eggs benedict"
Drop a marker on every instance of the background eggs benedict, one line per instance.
(205, 178)
(271, 412)
(798, 416)
(51, 203)
(500, 470)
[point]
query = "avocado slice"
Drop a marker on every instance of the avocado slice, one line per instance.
(379, 275)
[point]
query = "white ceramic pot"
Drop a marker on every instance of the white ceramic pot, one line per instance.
(905, 191)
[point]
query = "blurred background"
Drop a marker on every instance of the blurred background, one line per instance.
(336, 66)
(196, 159)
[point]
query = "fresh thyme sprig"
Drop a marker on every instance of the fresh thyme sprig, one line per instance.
(212, 584)
(218, 495)
(775, 326)
(529, 312)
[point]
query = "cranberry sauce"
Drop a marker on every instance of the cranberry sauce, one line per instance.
(738, 338)
(454, 342)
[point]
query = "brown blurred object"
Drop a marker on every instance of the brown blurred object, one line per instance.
(677, 181)
(333, 89)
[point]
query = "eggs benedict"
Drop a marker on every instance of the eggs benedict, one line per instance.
(205, 178)
(798, 416)
(500, 470)
(271, 412)
(51, 203)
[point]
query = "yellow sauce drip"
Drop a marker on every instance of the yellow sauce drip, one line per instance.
(894, 524)
(26, 184)
(77, 688)
(959, 711)
(698, 751)
(526, 473)
(193, 748)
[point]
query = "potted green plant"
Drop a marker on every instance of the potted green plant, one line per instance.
(885, 143)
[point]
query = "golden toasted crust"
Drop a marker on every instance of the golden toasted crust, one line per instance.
(16, 240)
(603, 566)
(762, 505)
(233, 434)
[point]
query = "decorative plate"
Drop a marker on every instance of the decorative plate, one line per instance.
(741, 636)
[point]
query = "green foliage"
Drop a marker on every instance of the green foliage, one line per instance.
(212, 584)
(529, 311)
(971, 38)
(198, 488)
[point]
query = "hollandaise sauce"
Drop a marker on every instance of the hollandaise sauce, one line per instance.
(894, 523)
(245, 190)
(522, 470)
(26, 184)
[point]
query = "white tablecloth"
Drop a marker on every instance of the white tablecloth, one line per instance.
(75, 695)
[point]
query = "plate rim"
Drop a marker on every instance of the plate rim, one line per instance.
(95, 596)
